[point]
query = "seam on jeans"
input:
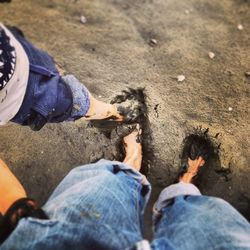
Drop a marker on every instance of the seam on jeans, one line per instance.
(40, 110)
(139, 210)
(137, 187)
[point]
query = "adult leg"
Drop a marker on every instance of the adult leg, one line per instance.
(107, 199)
(96, 206)
(184, 219)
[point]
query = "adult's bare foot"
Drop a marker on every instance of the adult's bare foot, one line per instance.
(133, 148)
(197, 148)
(192, 170)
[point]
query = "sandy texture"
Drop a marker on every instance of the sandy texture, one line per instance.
(111, 52)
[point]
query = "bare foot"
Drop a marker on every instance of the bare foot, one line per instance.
(133, 148)
(99, 110)
(192, 171)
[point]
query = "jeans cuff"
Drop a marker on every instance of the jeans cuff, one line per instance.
(167, 194)
(80, 95)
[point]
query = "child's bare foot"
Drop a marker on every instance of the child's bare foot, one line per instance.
(131, 105)
(192, 170)
(99, 110)
(133, 148)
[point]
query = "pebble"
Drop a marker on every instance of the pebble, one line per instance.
(240, 27)
(83, 19)
(181, 78)
(229, 72)
(211, 55)
(153, 42)
(187, 12)
(247, 74)
(230, 109)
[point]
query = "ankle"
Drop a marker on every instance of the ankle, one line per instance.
(187, 177)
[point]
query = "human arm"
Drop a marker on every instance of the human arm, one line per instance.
(14, 203)
(11, 189)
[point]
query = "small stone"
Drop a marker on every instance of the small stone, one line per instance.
(230, 109)
(83, 19)
(153, 42)
(240, 27)
(180, 78)
(211, 55)
(41, 152)
(187, 12)
(99, 96)
(247, 74)
(229, 72)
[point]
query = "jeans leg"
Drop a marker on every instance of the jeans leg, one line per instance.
(80, 94)
(189, 220)
(107, 199)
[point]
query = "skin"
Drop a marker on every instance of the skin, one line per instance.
(10, 188)
(134, 156)
(193, 168)
(99, 110)
(133, 149)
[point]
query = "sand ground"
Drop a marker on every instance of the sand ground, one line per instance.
(111, 52)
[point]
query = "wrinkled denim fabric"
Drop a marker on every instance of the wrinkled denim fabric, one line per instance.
(50, 95)
(101, 206)
(96, 206)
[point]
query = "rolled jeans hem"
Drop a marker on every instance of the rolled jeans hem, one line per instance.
(172, 191)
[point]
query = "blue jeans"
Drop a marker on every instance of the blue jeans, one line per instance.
(49, 97)
(101, 206)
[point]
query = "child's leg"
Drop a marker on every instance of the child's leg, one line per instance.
(11, 189)
(101, 110)
(52, 98)
(85, 105)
